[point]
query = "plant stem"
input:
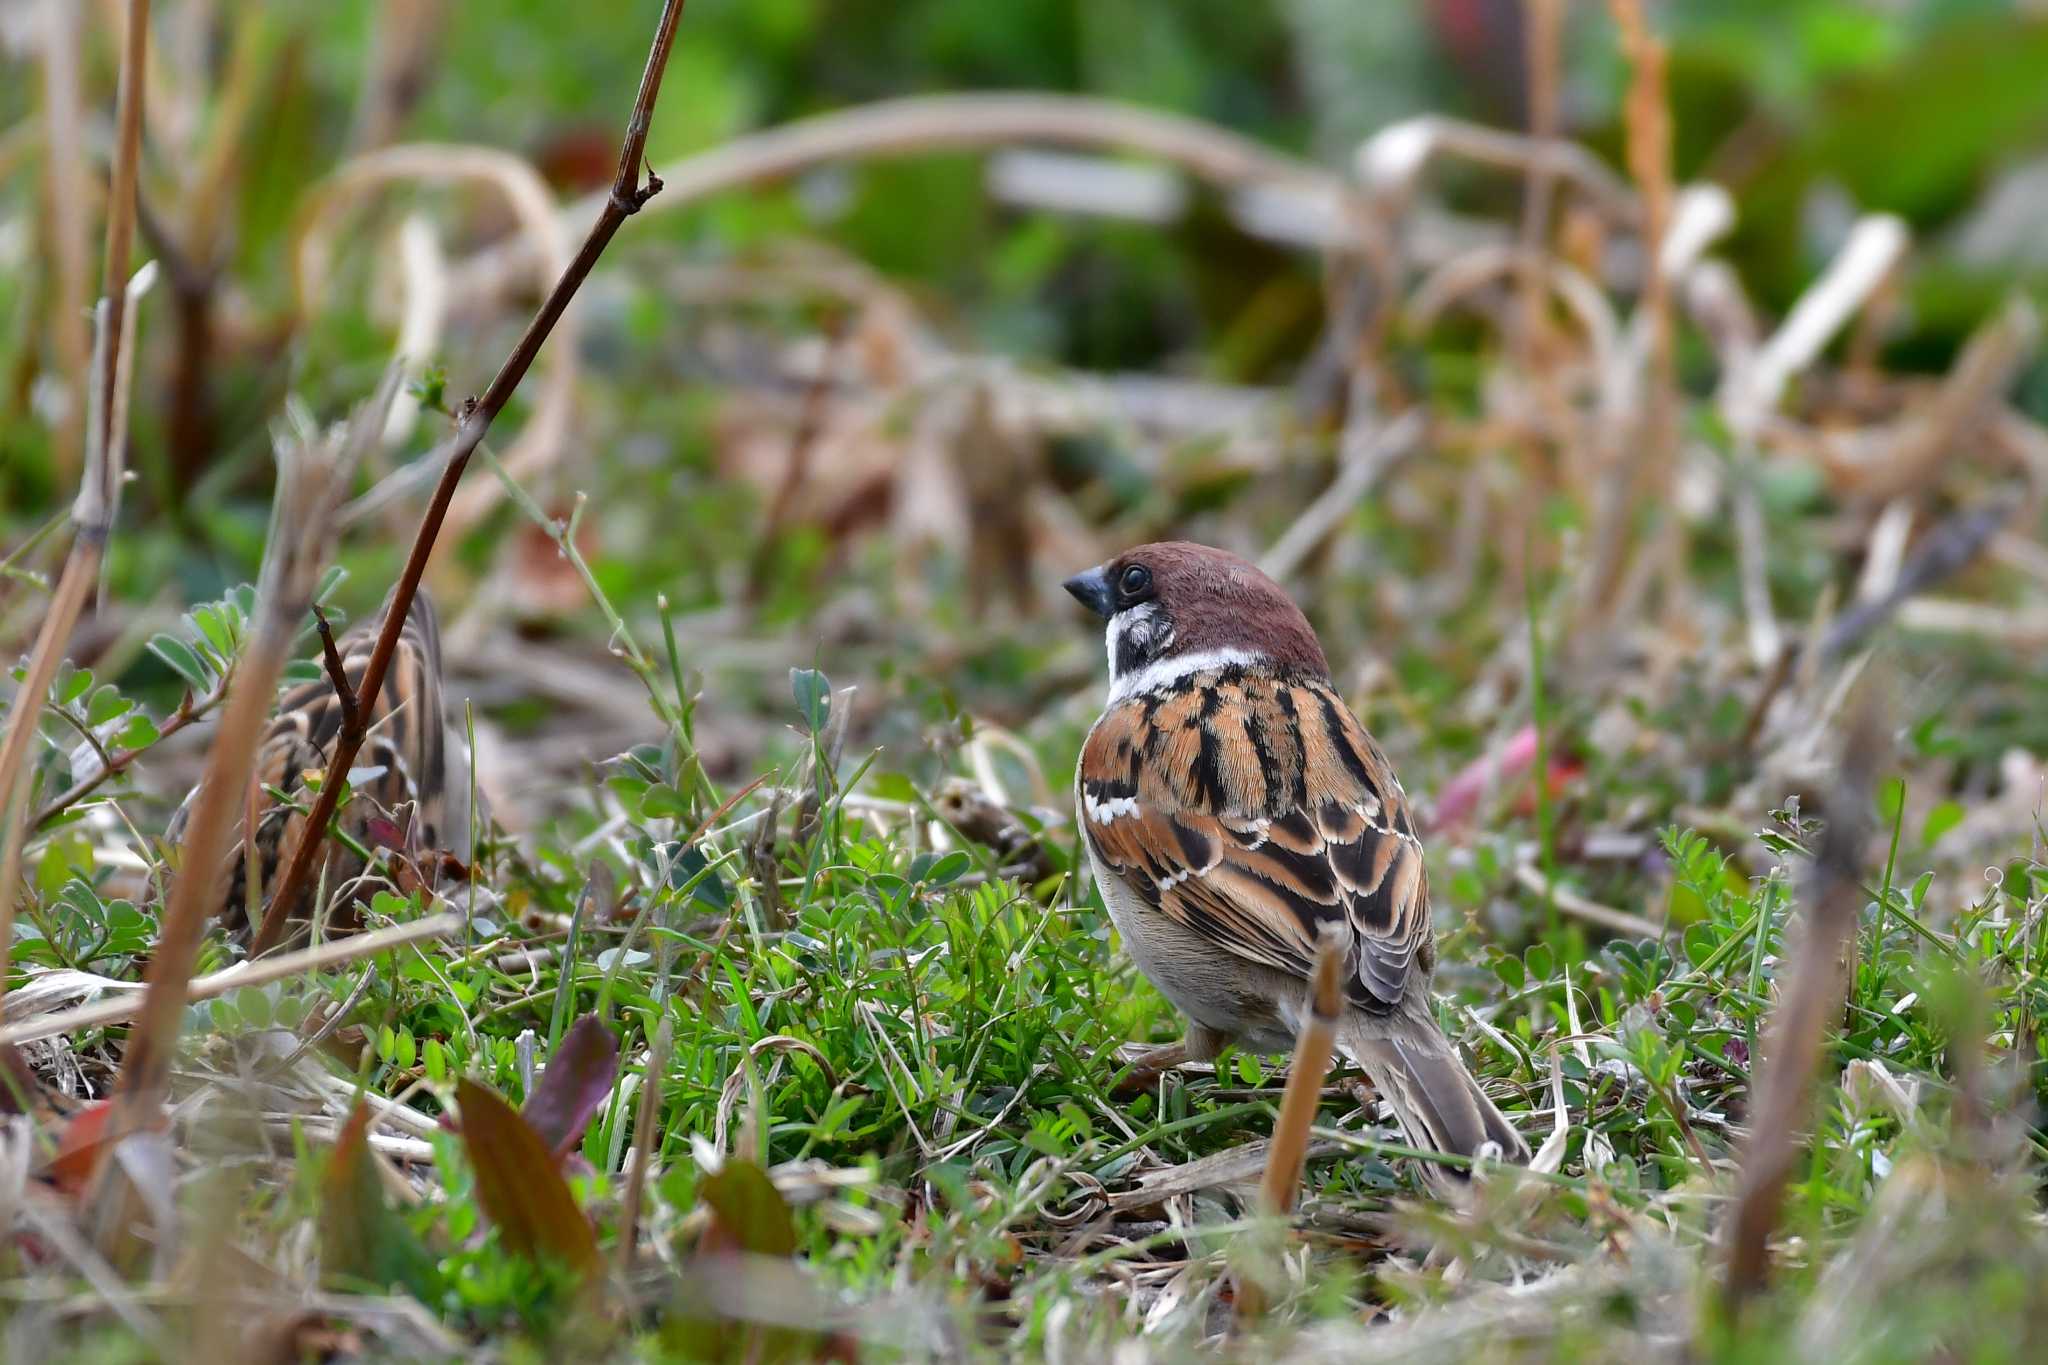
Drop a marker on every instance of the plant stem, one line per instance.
(627, 197)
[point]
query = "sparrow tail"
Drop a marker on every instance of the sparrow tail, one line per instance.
(1437, 1102)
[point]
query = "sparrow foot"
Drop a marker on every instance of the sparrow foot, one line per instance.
(1149, 1061)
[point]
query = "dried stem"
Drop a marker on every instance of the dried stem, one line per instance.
(65, 165)
(1648, 423)
(313, 470)
(1366, 461)
(121, 195)
(104, 1013)
(1304, 1085)
(627, 197)
(1544, 19)
(92, 519)
(92, 516)
(1288, 1150)
(81, 571)
(344, 695)
(1812, 996)
(643, 1139)
(938, 123)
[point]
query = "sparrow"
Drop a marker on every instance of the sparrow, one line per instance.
(400, 796)
(1235, 810)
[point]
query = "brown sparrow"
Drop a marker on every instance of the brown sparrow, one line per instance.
(1235, 809)
(400, 794)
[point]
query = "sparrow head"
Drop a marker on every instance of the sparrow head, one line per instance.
(1176, 608)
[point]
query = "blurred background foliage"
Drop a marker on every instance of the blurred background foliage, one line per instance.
(1800, 107)
(1808, 111)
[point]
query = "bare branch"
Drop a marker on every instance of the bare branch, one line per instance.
(628, 195)
(336, 674)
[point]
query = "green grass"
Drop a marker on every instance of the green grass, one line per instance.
(923, 1053)
(890, 1072)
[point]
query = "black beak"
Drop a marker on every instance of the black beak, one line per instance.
(1091, 590)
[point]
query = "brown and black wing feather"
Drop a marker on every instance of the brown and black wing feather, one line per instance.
(1256, 811)
(400, 780)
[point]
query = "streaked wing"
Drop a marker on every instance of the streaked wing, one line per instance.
(400, 775)
(1256, 811)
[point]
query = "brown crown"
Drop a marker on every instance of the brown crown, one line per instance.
(1218, 601)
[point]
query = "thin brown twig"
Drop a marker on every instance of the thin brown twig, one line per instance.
(627, 197)
(189, 711)
(121, 194)
(92, 519)
(1812, 995)
(344, 694)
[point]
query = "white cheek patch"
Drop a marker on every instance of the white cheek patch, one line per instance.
(1145, 625)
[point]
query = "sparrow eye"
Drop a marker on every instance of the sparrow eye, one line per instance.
(1134, 580)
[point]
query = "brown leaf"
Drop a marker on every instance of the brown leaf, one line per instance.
(519, 1185)
(79, 1147)
(575, 1085)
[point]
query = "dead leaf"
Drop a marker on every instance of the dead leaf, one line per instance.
(519, 1185)
(578, 1080)
(79, 1148)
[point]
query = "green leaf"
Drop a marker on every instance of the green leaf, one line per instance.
(71, 685)
(1891, 799)
(1700, 943)
(106, 704)
(431, 388)
(948, 868)
(1509, 970)
(520, 1186)
(139, 733)
(748, 1212)
(663, 802)
(1940, 821)
(252, 1006)
(213, 627)
(51, 871)
(179, 658)
(813, 693)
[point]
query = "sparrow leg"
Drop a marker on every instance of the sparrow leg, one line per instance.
(1149, 1062)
